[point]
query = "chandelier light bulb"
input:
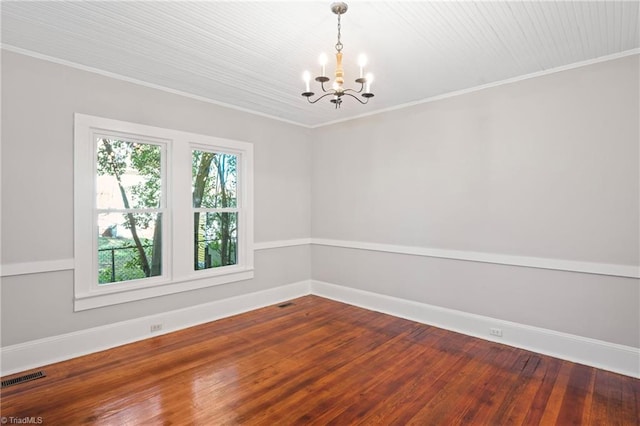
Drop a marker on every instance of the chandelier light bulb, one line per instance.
(306, 77)
(323, 63)
(369, 81)
(362, 61)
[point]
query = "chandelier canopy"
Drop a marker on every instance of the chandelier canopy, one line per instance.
(338, 90)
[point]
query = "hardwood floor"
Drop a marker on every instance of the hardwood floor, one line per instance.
(318, 361)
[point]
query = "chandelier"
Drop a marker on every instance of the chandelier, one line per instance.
(338, 90)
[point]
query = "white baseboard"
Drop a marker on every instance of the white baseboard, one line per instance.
(596, 353)
(37, 353)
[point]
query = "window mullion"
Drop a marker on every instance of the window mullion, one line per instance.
(182, 225)
(125, 211)
(217, 210)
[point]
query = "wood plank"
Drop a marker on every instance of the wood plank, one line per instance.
(573, 403)
(322, 362)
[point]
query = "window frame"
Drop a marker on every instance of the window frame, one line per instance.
(178, 274)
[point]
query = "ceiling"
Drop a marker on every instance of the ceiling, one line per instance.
(251, 55)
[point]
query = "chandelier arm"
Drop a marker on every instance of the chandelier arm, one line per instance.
(354, 90)
(323, 96)
(323, 89)
(357, 98)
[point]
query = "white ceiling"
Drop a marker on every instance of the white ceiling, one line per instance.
(251, 55)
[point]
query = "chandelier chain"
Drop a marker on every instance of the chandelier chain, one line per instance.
(339, 43)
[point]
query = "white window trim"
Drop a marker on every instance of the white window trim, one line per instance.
(178, 274)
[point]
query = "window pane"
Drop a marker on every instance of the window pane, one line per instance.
(128, 174)
(215, 240)
(214, 178)
(129, 246)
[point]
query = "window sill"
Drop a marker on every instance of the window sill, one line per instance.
(193, 282)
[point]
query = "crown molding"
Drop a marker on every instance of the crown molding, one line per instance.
(487, 86)
(36, 55)
(447, 95)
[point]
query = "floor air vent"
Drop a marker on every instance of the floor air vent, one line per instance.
(284, 305)
(22, 379)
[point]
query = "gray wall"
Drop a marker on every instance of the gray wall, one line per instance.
(545, 167)
(39, 99)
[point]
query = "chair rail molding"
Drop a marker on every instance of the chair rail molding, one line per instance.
(628, 271)
(36, 267)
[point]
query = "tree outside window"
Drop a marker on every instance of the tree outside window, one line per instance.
(215, 204)
(128, 199)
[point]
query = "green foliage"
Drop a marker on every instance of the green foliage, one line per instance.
(145, 159)
(117, 158)
(218, 181)
(104, 275)
(120, 255)
(139, 163)
(214, 186)
(112, 155)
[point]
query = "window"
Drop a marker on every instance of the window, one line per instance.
(158, 211)
(215, 209)
(129, 209)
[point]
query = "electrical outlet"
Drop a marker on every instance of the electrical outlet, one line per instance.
(495, 332)
(155, 327)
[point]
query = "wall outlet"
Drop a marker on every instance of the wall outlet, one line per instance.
(495, 332)
(155, 327)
